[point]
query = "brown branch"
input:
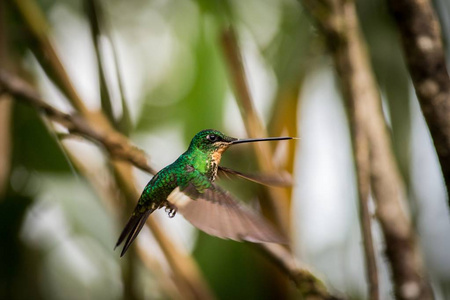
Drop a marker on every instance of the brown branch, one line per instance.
(95, 17)
(338, 22)
(279, 201)
(186, 273)
(357, 113)
(115, 144)
(20, 89)
(5, 109)
(112, 200)
(362, 163)
(309, 285)
(46, 53)
(5, 142)
(422, 44)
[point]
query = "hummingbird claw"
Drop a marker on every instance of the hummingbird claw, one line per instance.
(171, 210)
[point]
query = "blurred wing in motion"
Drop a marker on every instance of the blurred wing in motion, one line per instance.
(215, 212)
(279, 179)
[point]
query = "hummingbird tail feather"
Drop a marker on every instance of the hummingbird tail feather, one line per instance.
(132, 229)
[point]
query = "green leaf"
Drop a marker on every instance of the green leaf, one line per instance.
(33, 146)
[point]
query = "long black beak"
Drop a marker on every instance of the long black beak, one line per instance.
(241, 141)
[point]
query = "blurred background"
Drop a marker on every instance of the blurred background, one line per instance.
(157, 70)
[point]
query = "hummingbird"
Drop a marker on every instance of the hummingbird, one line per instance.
(188, 186)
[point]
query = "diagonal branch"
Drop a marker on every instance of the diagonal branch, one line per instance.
(422, 44)
(115, 144)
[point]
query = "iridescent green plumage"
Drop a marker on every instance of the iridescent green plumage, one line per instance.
(188, 185)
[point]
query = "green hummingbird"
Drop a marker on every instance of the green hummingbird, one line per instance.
(187, 185)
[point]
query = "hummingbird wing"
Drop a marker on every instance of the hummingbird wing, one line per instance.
(280, 179)
(132, 229)
(217, 213)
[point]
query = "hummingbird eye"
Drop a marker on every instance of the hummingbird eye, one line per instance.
(212, 138)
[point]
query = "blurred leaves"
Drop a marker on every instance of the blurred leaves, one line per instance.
(40, 150)
(201, 104)
(290, 52)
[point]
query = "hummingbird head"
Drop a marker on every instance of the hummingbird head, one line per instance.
(211, 141)
(214, 141)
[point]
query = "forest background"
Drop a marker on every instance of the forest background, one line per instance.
(97, 95)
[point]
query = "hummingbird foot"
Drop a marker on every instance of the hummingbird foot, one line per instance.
(170, 209)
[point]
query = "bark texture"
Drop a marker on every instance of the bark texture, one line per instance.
(420, 33)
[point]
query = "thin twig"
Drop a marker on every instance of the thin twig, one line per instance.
(420, 33)
(362, 164)
(95, 17)
(5, 142)
(338, 22)
(36, 23)
(5, 109)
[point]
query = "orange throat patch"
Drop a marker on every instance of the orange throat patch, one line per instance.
(217, 155)
(215, 160)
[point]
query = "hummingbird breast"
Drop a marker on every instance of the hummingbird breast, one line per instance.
(214, 163)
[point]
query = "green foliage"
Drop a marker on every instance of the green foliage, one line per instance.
(35, 148)
(201, 104)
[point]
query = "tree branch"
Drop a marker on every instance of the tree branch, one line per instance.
(5, 142)
(420, 33)
(353, 86)
(339, 24)
(115, 144)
